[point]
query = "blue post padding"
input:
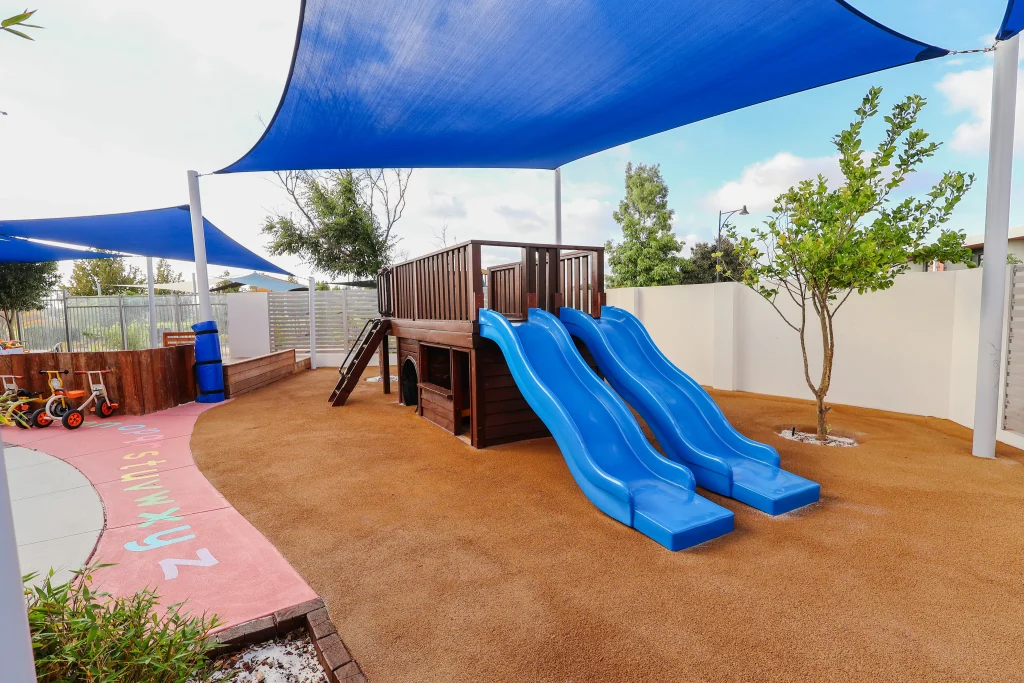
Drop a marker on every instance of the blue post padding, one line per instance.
(208, 368)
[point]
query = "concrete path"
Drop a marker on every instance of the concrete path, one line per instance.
(164, 525)
(58, 516)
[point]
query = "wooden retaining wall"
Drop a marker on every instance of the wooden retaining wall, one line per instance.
(248, 374)
(142, 381)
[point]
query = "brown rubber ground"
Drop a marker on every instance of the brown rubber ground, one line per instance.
(444, 563)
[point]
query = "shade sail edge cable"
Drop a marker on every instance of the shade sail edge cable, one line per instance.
(19, 250)
(509, 104)
(157, 233)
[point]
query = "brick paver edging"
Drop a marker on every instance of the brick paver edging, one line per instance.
(330, 650)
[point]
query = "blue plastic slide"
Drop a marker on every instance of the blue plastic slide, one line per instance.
(607, 453)
(687, 422)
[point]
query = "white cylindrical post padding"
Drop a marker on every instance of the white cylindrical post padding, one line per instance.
(558, 206)
(997, 224)
(154, 337)
(15, 641)
(199, 246)
(312, 323)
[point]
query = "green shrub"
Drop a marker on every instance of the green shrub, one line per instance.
(80, 635)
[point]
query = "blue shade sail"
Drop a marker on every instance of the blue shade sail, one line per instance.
(161, 233)
(14, 250)
(506, 84)
(1013, 20)
(270, 284)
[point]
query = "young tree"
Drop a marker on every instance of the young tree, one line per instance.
(822, 245)
(108, 271)
(706, 258)
(164, 272)
(23, 286)
(345, 219)
(649, 252)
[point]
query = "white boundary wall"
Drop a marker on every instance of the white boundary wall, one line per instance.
(249, 313)
(909, 349)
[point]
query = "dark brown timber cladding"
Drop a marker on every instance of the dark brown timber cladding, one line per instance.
(505, 415)
(437, 408)
(142, 381)
(458, 333)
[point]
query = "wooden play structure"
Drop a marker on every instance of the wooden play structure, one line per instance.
(457, 379)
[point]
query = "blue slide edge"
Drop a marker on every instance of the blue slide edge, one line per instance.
(778, 493)
(613, 497)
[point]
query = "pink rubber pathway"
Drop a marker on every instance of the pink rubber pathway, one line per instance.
(165, 525)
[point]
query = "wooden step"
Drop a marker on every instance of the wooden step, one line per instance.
(350, 376)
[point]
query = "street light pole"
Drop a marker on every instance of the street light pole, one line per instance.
(718, 244)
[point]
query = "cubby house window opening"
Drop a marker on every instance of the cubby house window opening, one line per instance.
(438, 366)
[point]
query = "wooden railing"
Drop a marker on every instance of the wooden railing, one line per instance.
(448, 284)
(505, 290)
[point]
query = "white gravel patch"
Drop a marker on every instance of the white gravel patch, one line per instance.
(804, 437)
(290, 659)
(376, 378)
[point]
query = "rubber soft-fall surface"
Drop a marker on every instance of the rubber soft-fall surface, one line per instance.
(687, 422)
(604, 447)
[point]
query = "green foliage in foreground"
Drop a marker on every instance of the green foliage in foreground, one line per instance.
(21, 21)
(23, 287)
(80, 635)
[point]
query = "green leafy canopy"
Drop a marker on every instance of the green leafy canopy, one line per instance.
(110, 272)
(649, 252)
(822, 244)
(23, 287)
(338, 230)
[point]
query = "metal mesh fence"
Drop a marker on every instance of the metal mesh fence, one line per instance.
(112, 323)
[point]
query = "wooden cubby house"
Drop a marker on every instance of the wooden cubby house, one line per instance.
(457, 379)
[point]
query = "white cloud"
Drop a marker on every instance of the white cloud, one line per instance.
(503, 205)
(689, 242)
(761, 182)
(970, 92)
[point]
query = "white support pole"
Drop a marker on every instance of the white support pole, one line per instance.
(199, 246)
(15, 641)
(312, 323)
(154, 340)
(558, 206)
(997, 224)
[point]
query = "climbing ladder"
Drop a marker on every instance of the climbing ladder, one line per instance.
(370, 337)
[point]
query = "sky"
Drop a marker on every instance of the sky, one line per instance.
(116, 99)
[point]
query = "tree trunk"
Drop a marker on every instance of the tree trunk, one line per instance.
(822, 434)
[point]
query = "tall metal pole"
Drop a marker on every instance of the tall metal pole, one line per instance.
(312, 323)
(718, 247)
(154, 338)
(199, 246)
(120, 316)
(15, 641)
(558, 206)
(67, 321)
(997, 225)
